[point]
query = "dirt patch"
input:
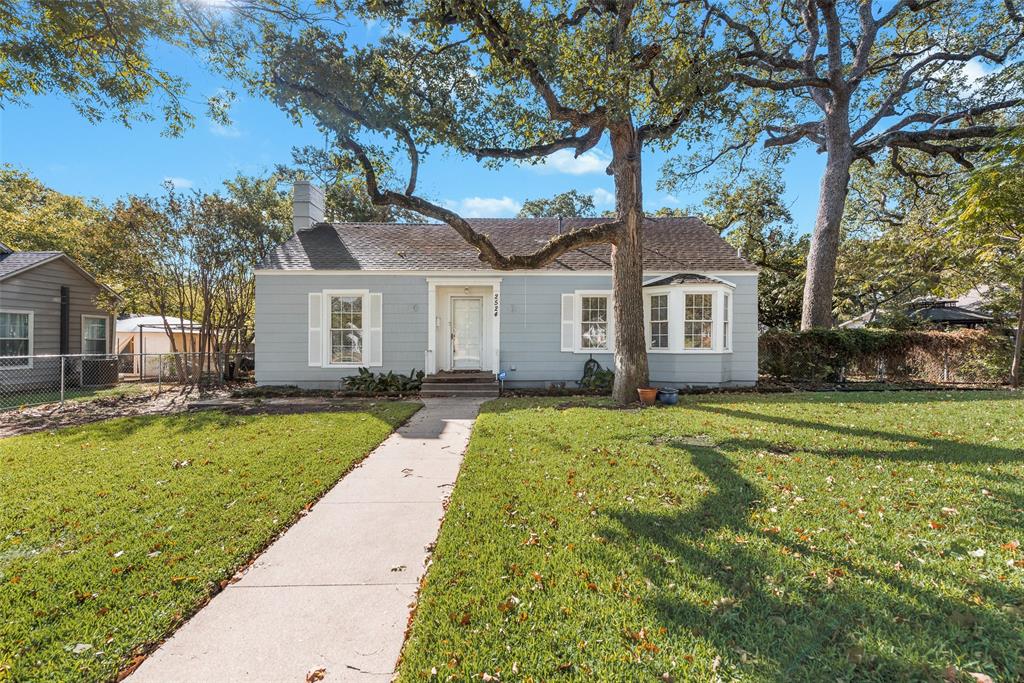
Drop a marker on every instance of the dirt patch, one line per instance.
(73, 413)
(282, 405)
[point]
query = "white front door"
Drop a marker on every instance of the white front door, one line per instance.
(467, 332)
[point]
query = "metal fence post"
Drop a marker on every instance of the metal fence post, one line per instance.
(62, 359)
(159, 373)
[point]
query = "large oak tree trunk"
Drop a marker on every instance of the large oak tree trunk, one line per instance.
(1018, 345)
(821, 261)
(627, 266)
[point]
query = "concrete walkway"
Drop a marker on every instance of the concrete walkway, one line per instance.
(335, 591)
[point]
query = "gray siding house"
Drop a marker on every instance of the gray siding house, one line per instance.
(48, 306)
(337, 297)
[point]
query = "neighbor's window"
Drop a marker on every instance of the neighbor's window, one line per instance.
(94, 334)
(15, 338)
(725, 318)
(659, 321)
(698, 327)
(346, 329)
(594, 322)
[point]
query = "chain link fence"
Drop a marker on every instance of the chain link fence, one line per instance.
(34, 380)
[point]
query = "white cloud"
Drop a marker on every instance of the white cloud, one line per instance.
(223, 131)
(564, 161)
(603, 197)
(671, 199)
(975, 72)
(484, 207)
(179, 183)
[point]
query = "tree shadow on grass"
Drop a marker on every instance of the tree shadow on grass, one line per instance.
(919, 447)
(840, 620)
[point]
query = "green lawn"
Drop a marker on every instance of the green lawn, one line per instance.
(108, 540)
(798, 537)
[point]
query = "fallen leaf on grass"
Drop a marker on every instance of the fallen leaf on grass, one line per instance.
(1012, 545)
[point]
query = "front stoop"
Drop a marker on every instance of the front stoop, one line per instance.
(460, 383)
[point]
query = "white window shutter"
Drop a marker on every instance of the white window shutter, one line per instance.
(316, 341)
(568, 327)
(376, 329)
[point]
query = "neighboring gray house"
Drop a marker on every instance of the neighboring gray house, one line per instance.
(48, 306)
(399, 297)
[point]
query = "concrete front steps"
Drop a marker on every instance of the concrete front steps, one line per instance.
(460, 383)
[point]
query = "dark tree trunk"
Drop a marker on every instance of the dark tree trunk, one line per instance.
(821, 261)
(1018, 345)
(627, 266)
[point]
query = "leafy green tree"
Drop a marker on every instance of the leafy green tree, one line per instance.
(34, 217)
(887, 255)
(754, 219)
(985, 229)
(853, 78)
(571, 203)
(501, 82)
(98, 53)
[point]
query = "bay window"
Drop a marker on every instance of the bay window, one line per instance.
(688, 313)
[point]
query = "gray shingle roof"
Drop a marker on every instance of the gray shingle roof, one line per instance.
(11, 263)
(670, 244)
(685, 278)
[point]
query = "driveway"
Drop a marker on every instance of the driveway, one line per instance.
(334, 593)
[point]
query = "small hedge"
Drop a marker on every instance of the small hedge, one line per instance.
(972, 356)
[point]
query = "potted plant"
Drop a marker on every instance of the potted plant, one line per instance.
(648, 395)
(668, 396)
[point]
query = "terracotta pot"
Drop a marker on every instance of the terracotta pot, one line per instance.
(648, 395)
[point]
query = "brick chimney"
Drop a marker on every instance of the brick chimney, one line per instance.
(307, 205)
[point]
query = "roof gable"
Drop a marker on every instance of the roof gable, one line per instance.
(17, 262)
(670, 244)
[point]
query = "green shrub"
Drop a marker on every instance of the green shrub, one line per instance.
(385, 382)
(886, 355)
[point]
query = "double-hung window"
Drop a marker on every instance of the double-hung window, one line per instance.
(726, 337)
(15, 339)
(698, 321)
(659, 321)
(94, 334)
(594, 323)
(347, 330)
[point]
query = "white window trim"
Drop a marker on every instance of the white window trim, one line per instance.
(677, 317)
(31, 338)
(578, 320)
(325, 326)
(106, 332)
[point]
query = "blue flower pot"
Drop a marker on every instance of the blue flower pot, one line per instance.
(668, 396)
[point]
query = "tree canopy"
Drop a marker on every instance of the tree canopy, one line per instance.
(99, 55)
(500, 82)
(854, 79)
(571, 203)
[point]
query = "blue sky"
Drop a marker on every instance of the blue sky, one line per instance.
(106, 160)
